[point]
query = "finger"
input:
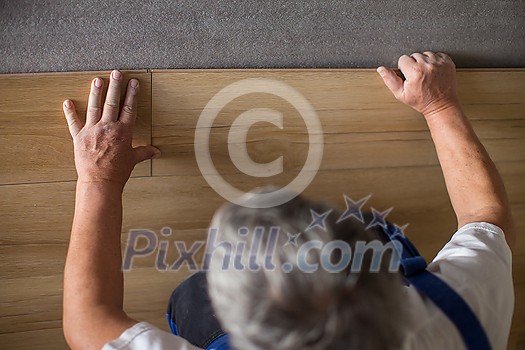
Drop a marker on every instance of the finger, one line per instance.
(392, 81)
(405, 62)
(74, 124)
(112, 104)
(129, 110)
(143, 153)
(419, 57)
(94, 108)
(443, 56)
(431, 55)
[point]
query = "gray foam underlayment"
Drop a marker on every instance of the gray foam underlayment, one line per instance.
(60, 35)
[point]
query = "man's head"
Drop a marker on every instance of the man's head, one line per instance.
(298, 309)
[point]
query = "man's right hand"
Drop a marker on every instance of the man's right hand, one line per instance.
(430, 84)
(474, 185)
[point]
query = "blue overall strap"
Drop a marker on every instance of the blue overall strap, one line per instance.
(456, 309)
(441, 294)
(220, 343)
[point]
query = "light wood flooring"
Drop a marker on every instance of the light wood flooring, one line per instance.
(372, 145)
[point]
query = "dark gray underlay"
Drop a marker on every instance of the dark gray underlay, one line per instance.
(42, 36)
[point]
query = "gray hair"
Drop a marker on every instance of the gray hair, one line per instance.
(273, 309)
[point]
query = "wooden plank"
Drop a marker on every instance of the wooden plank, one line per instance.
(360, 118)
(52, 338)
(173, 200)
(34, 139)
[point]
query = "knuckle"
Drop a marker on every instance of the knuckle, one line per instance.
(111, 104)
(446, 57)
(418, 69)
(129, 109)
(94, 109)
(108, 127)
(111, 131)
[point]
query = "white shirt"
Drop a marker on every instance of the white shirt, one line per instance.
(476, 263)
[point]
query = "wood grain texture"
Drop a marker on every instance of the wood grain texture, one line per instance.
(34, 138)
(177, 202)
(372, 145)
(363, 125)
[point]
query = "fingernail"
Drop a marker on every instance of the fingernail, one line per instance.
(98, 82)
(116, 75)
(156, 155)
(134, 83)
(381, 70)
(68, 104)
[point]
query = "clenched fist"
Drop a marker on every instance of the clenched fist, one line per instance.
(430, 84)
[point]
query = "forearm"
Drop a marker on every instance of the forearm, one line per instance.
(93, 281)
(94, 256)
(474, 184)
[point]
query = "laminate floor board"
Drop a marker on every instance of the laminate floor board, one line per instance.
(34, 138)
(363, 125)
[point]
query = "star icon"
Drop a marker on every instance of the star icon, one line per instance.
(379, 218)
(318, 220)
(292, 239)
(353, 209)
(400, 230)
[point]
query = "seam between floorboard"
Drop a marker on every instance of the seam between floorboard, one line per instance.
(192, 175)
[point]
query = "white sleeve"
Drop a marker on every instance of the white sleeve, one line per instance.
(145, 336)
(477, 264)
